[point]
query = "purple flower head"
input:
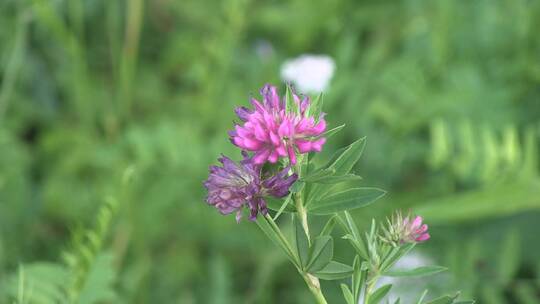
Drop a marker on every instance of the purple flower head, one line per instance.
(271, 132)
(235, 185)
(400, 230)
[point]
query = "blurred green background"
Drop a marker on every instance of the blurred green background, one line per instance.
(94, 93)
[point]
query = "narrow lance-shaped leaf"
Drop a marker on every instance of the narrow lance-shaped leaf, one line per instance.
(341, 163)
(334, 271)
(416, 272)
(276, 239)
(358, 247)
(278, 204)
(317, 175)
(379, 294)
(347, 294)
(394, 255)
(421, 299)
(333, 131)
(321, 253)
(333, 179)
(286, 203)
(346, 160)
(353, 228)
(329, 226)
(345, 200)
(443, 300)
(359, 277)
(353, 234)
(297, 187)
(302, 242)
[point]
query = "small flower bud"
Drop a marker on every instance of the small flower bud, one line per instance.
(401, 230)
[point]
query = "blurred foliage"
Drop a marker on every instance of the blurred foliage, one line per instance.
(447, 93)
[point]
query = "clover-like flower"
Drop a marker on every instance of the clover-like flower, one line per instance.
(271, 132)
(402, 230)
(235, 185)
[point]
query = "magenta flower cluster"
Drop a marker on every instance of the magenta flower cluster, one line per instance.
(270, 132)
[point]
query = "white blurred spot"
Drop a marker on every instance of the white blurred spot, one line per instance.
(309, 73)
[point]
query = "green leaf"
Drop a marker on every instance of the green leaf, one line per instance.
(353, 229)
(348, 158)
(317, 175)
(285, 204)
(359, 276)
(354, 235)
(329, 226)
(334, 179)
(302, 242)
(394, 255)
(274, 236)
(422, 297)
(347, 294)
(297, 186)
(444, 300)
(358, 247)
(277, 204)
(333, 131)
(416, 272)
(341, 163)
(379, 294)
(334, 271)
(345, 200)
(321, 253)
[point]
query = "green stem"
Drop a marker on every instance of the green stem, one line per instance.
(369, 288)
(313, 284)
(312, 281)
